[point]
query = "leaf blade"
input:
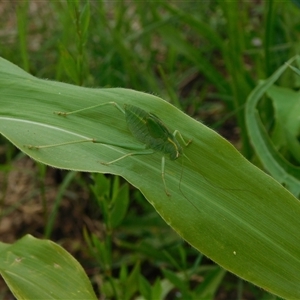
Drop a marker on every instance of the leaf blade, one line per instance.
(228, 209)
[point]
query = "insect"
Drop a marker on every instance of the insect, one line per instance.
(146, 128)
(149, 130)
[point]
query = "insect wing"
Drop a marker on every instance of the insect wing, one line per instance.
(156, 127)
(164, 139)
(136, 122)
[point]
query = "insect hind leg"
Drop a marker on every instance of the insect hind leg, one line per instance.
(60, 144)
(127, 155)
(90, 107)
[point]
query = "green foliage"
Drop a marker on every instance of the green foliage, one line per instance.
(205, 58)
(22, 264)
(275, 163)
(231, 196)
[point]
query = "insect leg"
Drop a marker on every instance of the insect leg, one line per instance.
(176, 132)
(163, 175)
(89, 140)
(90, 107)
(60, 144)
(127, 155)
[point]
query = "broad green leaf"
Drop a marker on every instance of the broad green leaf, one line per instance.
(225, 207)
(273, 162)
(287, 109)
(283, 101)
(40, 269)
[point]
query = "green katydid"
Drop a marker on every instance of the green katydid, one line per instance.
(148, 129)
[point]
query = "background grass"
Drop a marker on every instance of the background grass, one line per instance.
(204, 57)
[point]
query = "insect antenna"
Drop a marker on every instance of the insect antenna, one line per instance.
(216, 186)
(179, 185)
(209, 182)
